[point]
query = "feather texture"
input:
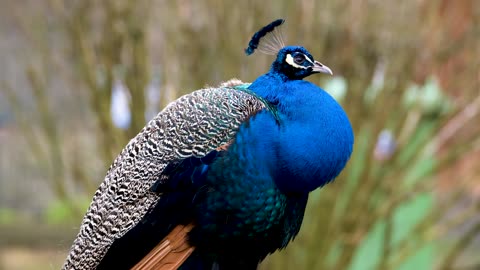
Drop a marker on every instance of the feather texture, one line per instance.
(268, 40)
(194, 125)
(170, 253)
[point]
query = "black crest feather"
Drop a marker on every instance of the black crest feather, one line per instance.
(268, 29)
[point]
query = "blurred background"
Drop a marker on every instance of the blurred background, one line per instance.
(79, 78)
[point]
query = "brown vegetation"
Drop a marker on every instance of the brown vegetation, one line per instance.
(70, 52)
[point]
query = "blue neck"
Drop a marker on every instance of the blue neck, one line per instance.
(315, 138)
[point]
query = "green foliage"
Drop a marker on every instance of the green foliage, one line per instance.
(60, 212)
(8, 216)
(393, 64)
(428, 97)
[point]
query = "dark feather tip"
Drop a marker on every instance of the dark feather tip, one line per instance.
(253, 44)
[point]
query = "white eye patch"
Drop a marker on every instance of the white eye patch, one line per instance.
(291, 62)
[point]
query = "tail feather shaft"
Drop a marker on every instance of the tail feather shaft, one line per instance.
(170, 253)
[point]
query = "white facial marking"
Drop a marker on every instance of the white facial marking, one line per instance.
(290, 61)
(308, 59)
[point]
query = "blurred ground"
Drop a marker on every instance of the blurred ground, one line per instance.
(31, 259)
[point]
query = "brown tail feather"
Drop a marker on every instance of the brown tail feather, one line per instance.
(170, 253)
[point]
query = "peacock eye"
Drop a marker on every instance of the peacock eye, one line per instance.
(299, 59)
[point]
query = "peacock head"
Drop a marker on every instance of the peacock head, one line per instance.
(293, 62)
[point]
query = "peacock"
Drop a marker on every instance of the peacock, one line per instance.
(230, 166)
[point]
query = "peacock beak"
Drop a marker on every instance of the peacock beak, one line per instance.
(321, 68)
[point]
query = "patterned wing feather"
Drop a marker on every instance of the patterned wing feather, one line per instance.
(193, 125)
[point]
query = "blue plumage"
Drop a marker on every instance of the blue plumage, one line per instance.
(247, 198)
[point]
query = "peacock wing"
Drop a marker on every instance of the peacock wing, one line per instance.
(192, 126)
